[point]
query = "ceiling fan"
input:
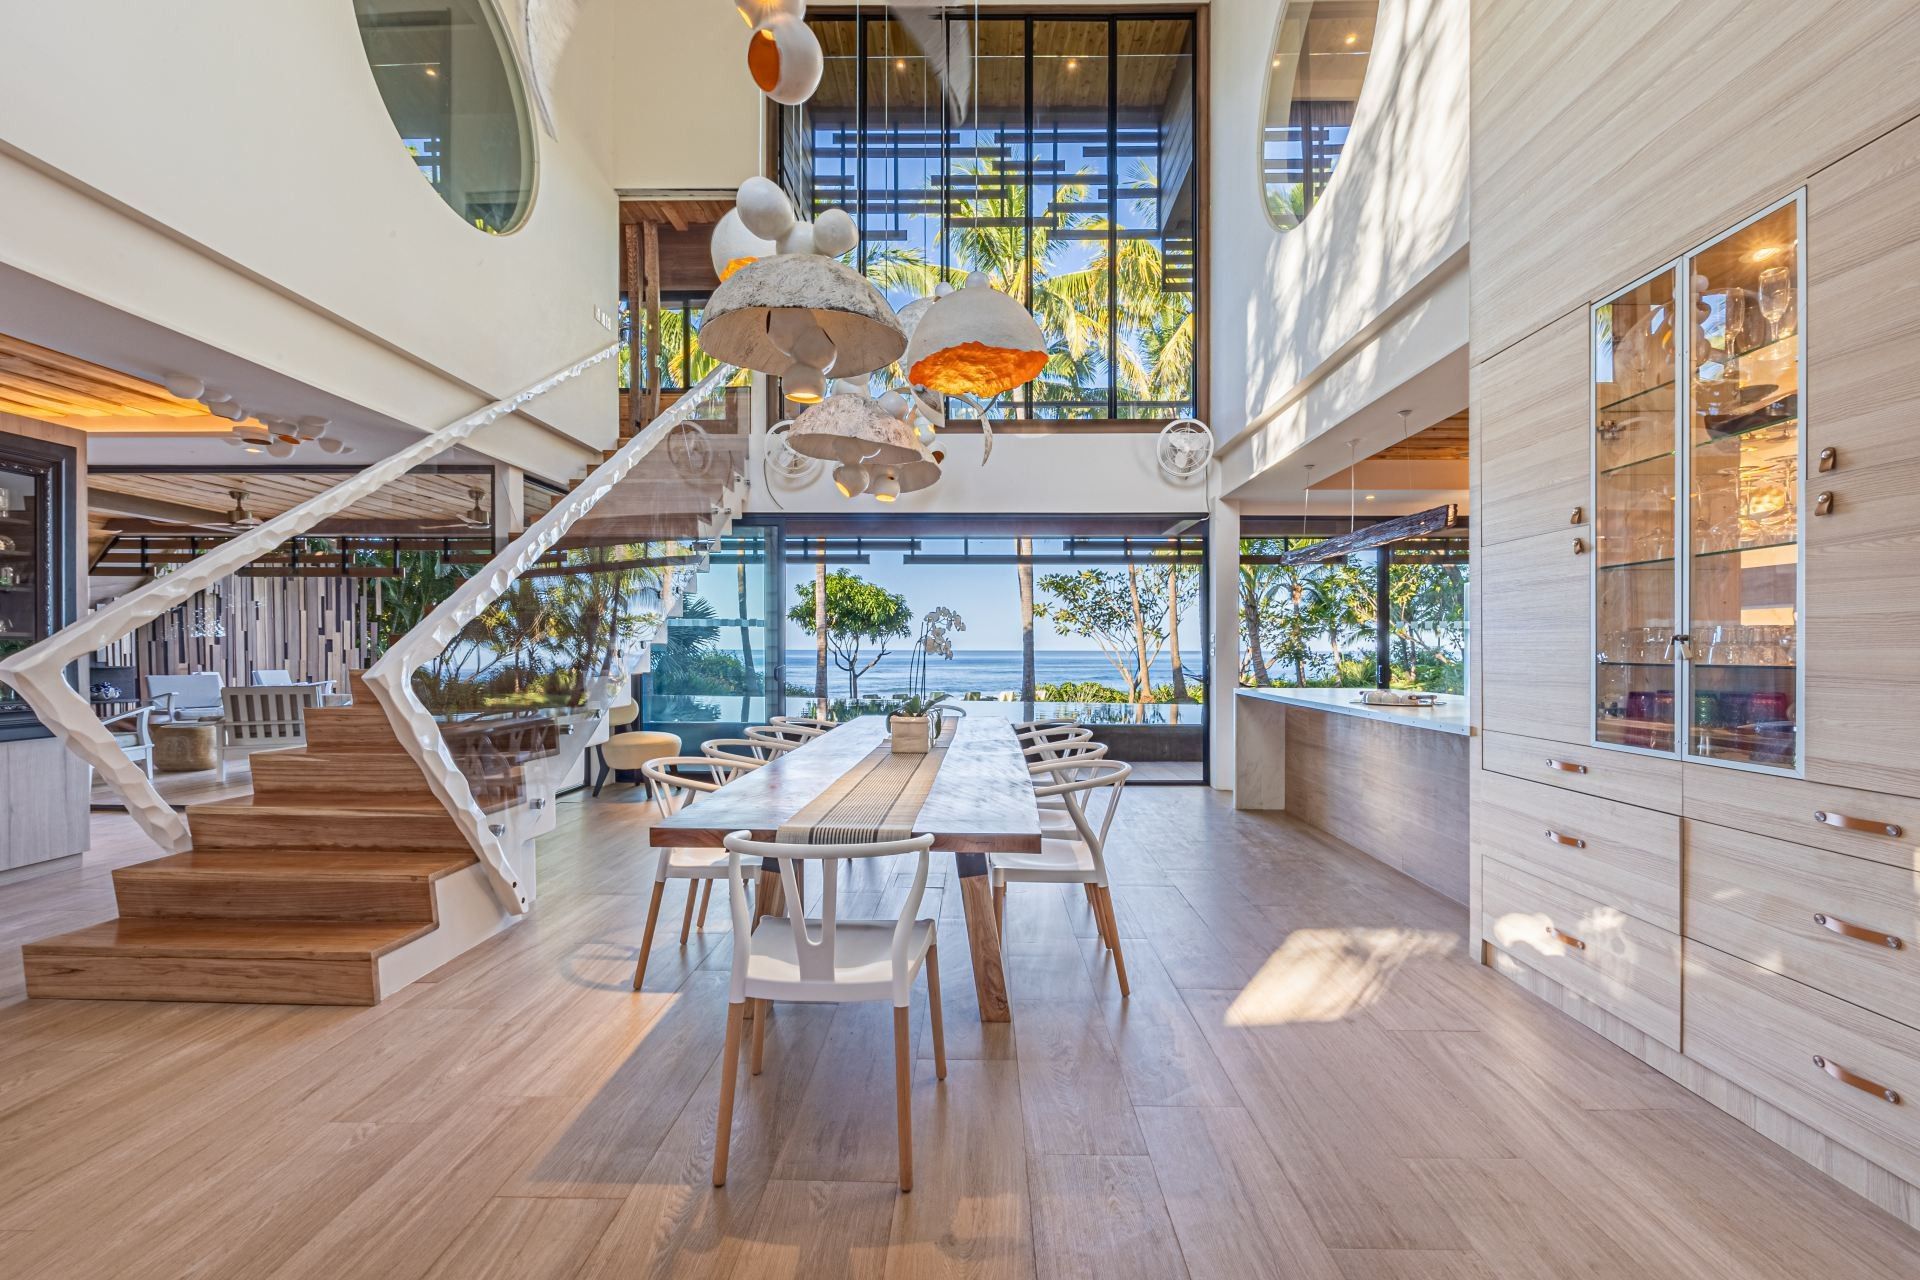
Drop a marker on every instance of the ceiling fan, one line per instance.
(476, 516)
(241, 517)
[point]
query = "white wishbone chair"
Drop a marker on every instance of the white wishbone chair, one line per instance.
(734, 756)
(1044, 743)
(1076, 855)
(805, 722)
(778, 739)
(1055, 722)
(827, 961)
(671, 793)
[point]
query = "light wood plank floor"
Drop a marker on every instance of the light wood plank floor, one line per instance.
(1310, 1080)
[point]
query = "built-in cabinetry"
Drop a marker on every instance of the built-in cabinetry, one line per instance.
(1696, 817)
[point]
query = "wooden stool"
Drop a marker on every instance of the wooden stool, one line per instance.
(186, 748)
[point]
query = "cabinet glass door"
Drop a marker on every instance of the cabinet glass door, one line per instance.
(1635, 425)
(1743, 461)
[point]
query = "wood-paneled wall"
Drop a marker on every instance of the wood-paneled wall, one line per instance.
(1608, 139)
(316, 628)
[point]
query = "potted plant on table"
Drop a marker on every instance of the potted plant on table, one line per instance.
(912, 724)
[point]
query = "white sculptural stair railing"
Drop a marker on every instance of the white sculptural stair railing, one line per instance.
(37, 672)
(391, 678)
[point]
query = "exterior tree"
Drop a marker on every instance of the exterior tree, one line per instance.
(858, 613)
(1122, 611)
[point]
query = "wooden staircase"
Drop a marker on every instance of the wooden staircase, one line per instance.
(302, 894)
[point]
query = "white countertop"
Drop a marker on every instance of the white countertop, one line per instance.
(1448, 715)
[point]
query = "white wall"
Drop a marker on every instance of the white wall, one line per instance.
(1329, 298)
(1038, 474)
(689, 117)
(250, 138)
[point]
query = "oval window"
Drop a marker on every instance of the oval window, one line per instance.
(1320, 56)
(450, 84)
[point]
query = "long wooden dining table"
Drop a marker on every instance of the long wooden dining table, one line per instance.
(980, 801)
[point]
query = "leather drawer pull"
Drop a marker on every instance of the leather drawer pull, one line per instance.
(1565, 766)
(1572, 842)
(1861, 1083)
(1845, 823)
(1846, 930)
(1566, 939)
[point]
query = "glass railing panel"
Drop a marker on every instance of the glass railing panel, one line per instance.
(525, 686)
(230, 602)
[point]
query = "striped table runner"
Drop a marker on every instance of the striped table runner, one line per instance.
(877, 799)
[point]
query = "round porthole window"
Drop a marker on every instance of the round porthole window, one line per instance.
(1319, 59)
(451, 85)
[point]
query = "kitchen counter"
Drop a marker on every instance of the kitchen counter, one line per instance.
(1390, 781)
(1448, 715)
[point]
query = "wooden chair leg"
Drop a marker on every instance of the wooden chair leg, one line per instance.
(760, 1008)
(1000, 910)
(686, 921)
(933, 1012)
(1113, 939)
(706, 892)
(646, 939)
(903, 1095)
(729, 1069)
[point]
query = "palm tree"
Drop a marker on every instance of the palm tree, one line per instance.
(1023, 571)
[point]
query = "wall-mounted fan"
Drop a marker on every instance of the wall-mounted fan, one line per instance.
(1184, 448)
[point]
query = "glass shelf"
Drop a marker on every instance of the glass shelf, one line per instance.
(1637, 462)
(1735, 437)
(1638, 399)
(1740, 551)
(1621, 662)
(1636, 564)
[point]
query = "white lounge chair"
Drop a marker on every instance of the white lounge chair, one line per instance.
(194, 696)
(264, 718)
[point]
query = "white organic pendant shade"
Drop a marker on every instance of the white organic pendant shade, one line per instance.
(975, 341)
(922, 473)
(848, 427)
(735, 326)
(733, 246)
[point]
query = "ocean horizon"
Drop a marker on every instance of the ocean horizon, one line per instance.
(983, 671)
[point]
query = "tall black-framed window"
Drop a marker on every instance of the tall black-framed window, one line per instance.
(1085, 575)
(1065, 171)
(38, 566)
(680, 360)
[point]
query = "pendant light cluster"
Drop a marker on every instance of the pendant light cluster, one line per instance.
(786, 306)
(255, 430)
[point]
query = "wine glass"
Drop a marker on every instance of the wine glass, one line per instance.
(1776, 298)
(1733, 318)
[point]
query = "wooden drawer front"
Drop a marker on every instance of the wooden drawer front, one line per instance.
(1626, 966)
(1533, 450)
(1535, 650)
(1764, 1032)
(1844, 925)
(1626, 856)
(1648, 781)
(1882, 827)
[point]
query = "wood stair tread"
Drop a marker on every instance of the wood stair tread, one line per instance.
(370, 805)
(350, 864)
(188, 938)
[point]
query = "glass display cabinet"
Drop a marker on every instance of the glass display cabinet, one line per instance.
(1697, 499)
(37, 558)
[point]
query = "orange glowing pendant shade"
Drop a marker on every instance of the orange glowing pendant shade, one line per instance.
(784, 59)
(975, 341)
